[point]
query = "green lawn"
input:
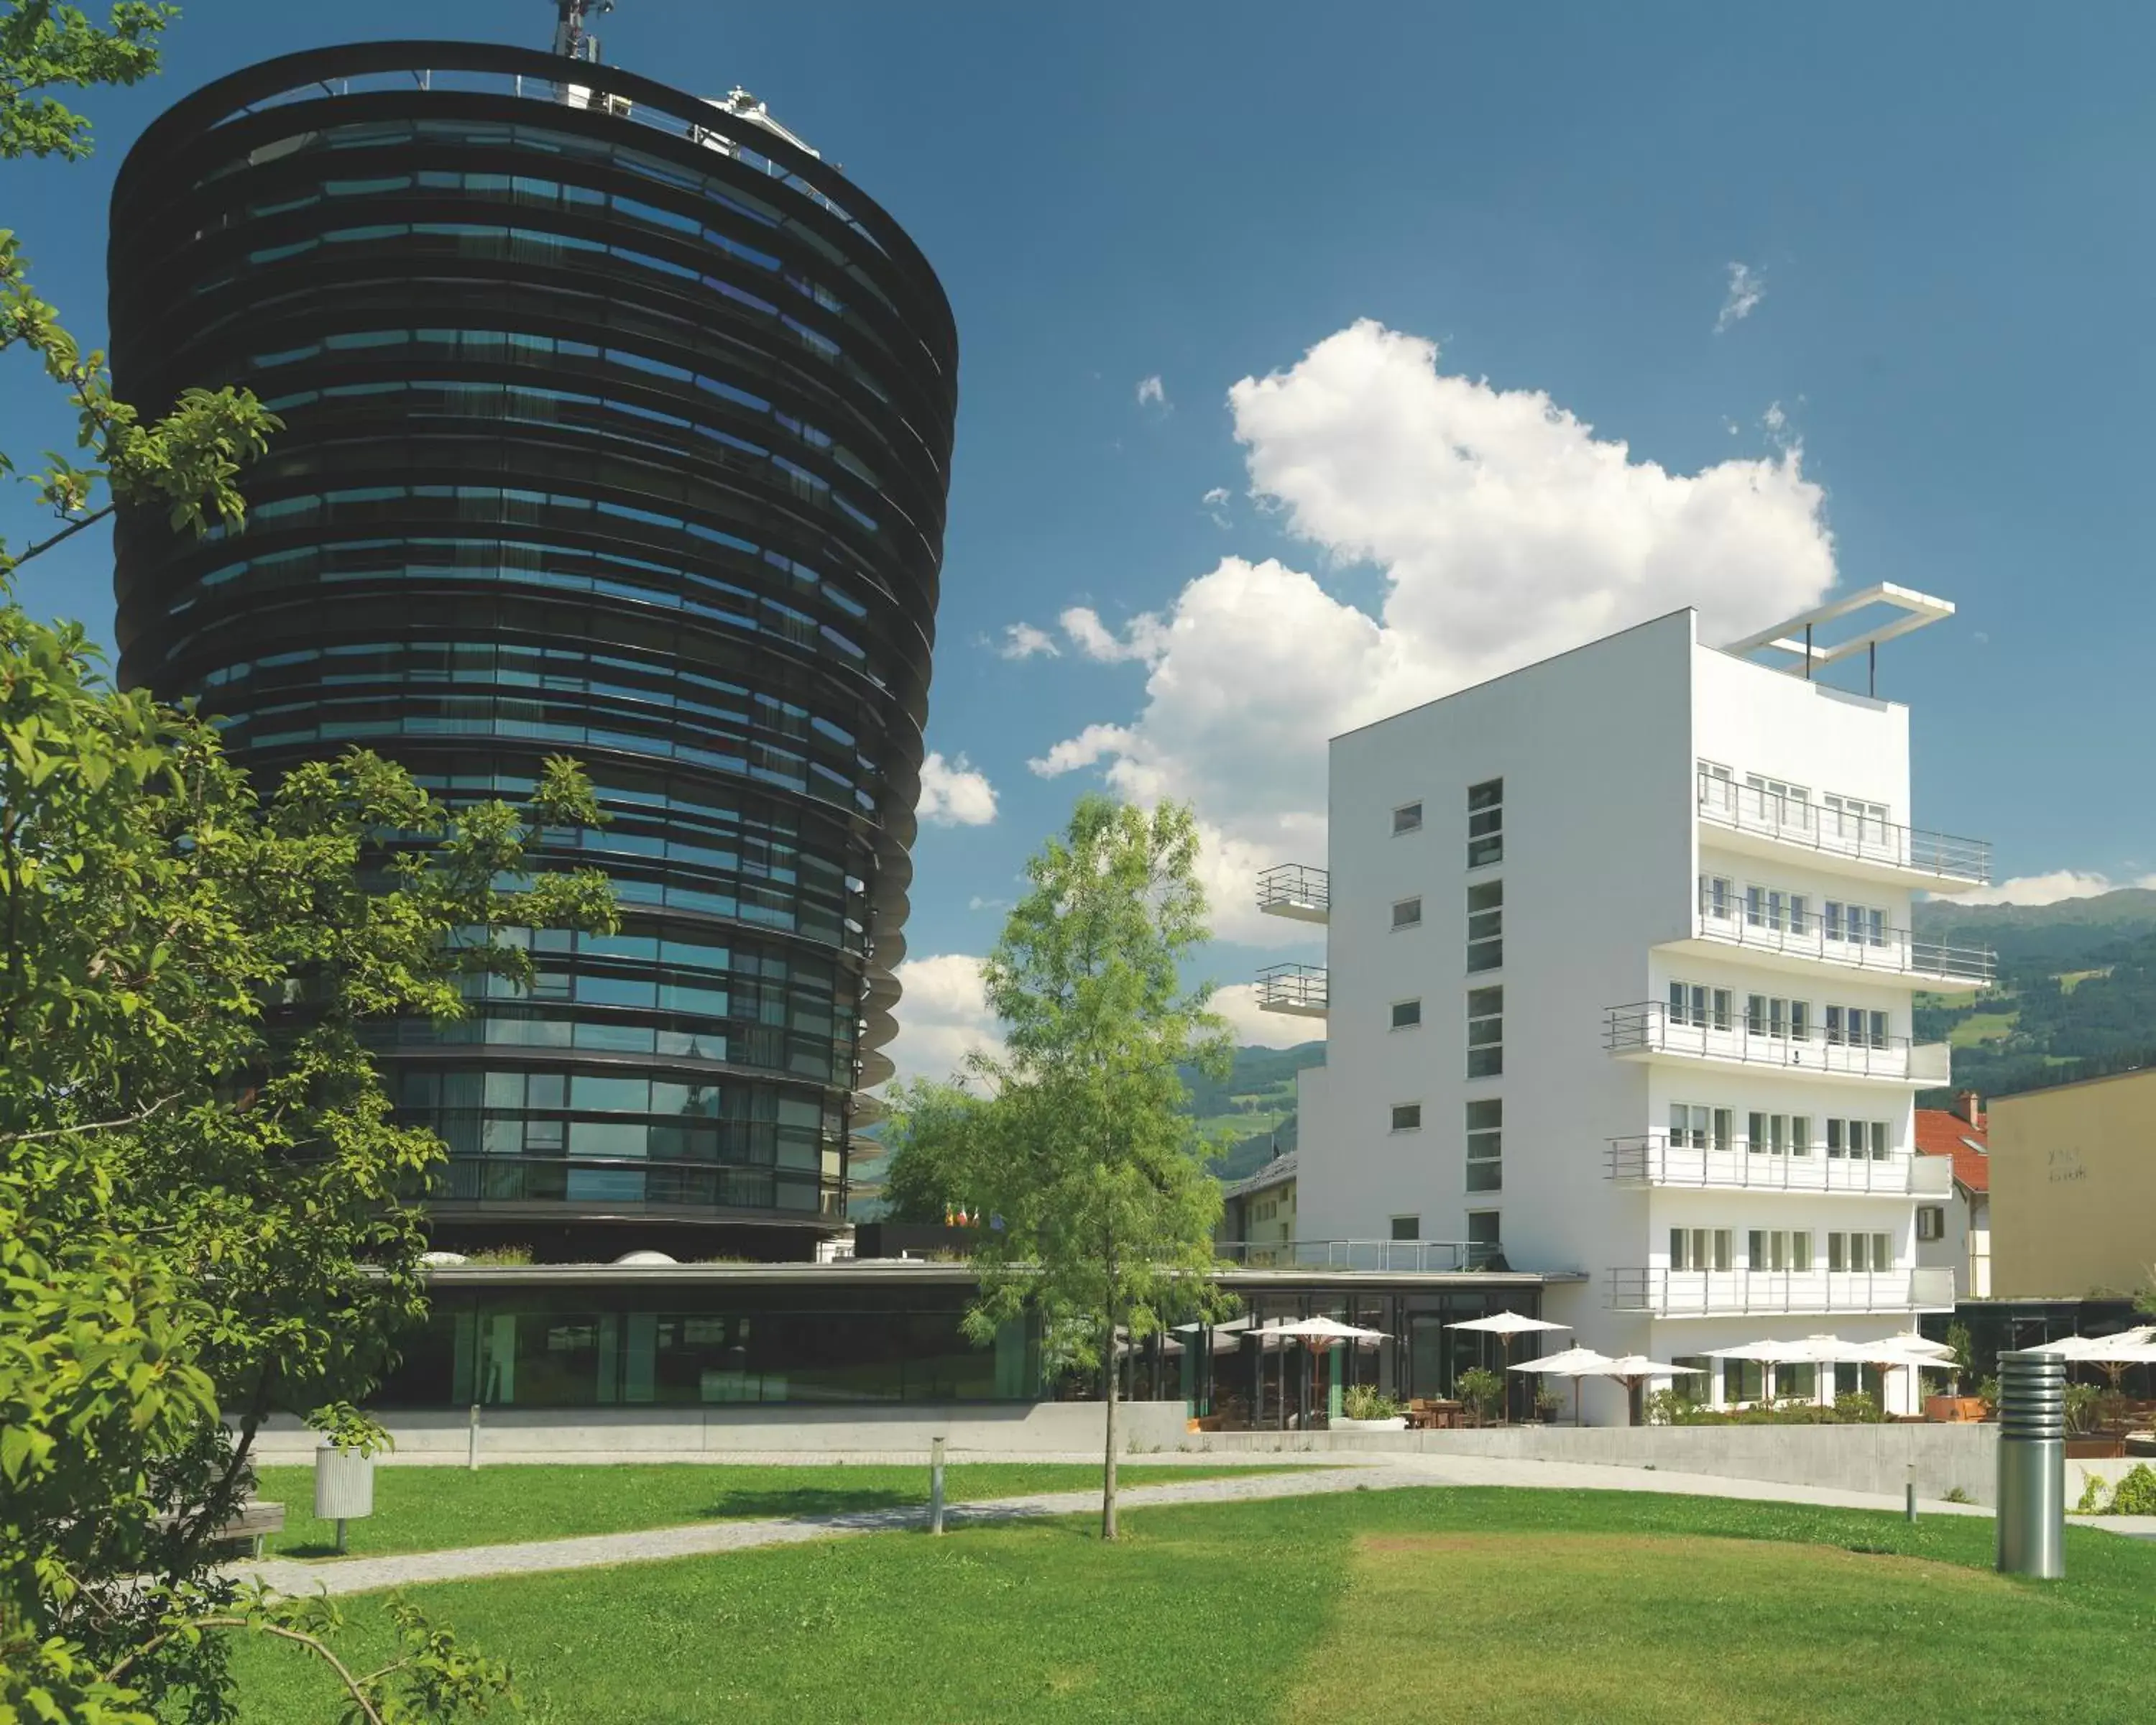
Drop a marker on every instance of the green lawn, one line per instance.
(432, 1508)
(1439, 1604)
(1982, 1027)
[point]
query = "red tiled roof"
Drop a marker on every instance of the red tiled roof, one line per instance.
(1941, 1132)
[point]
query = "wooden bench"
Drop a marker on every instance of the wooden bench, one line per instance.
(254, 1523)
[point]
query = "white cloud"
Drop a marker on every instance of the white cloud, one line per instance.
(942, 1016)
(2047, 889)
(1774, 420)
(1152, 392)
(1250, 1022)
(1748, 287)
(1216, 497)
(1022, 640)
(1141, 639)
(953, 795)
(1506, 531)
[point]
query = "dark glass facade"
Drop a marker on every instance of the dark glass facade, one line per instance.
(618, 426)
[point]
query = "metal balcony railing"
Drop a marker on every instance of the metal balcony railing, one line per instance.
(1648, 1027)
(1842, 832)
(1423, 1256)
(1297, 988)
(1745, 1293)
(1848, 937)
(1653, 1159)
(1296, 890)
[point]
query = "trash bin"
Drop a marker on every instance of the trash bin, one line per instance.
(344, 1486)
(2032, 1465)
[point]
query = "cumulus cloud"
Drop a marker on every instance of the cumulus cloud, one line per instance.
(942, 1016)
(1152, 392)
(953, 795)
(1141, 639)
(1250, 1022)
(1505, 530)
(1022, 640)
(1748, 287)
(2048, 889)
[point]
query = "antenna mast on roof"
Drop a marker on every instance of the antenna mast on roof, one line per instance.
(572, 40)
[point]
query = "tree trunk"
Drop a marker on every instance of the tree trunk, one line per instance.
(1108, 1469)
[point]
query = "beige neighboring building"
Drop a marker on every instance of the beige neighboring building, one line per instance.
(2073, 1187)
(1257, 1216)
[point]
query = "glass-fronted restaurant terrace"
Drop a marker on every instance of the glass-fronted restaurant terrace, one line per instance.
(560, 1336)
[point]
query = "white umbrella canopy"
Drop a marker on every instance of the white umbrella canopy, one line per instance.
(2078, 1348)
(1638, 1365)
(1507, 1323)
(1572, 1363)
(1325, 1329)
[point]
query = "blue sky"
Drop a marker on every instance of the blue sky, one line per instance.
(1940, 380)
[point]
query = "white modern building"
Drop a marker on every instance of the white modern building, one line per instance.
(1618, 980)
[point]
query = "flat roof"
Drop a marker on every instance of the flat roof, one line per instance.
(895, 1272)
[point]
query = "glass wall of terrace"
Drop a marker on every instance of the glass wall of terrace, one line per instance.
(618, 425)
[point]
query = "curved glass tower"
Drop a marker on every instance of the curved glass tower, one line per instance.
(618, 425)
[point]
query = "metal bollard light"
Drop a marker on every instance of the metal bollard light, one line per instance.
(936, 1484)
(2032, 1465)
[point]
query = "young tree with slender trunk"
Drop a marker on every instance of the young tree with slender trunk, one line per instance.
(1100, 1211)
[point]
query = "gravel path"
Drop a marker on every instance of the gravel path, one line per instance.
(353, 1575)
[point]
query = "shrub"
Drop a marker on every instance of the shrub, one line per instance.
(2136, 1494)
(1482, 1391)
(1987, 1392)
(2092, 1503)
(2081, 1404)
(1362, 1401)
(1855, 1405)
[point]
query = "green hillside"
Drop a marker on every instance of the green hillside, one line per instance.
(1255, 1103)
(2076, 994)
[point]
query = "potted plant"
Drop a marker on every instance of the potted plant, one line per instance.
(1484, 1391)
(1546, 1405)
(1363, 1409)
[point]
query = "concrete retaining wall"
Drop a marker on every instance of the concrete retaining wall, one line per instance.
(1849, 1458)
(630, 1434)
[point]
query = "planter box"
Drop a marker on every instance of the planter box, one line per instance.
(1398, 1423)
(1954, 1410)
(2098, 1448)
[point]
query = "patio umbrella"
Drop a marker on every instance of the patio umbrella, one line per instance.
(2113, 1354)
(1504, 1325)
(1633, 1370)
(1324, 1333)
(2081, 1347)
(1573, 1362)
(1772, 1353)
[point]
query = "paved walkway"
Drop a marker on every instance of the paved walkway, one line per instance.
(352, 1575)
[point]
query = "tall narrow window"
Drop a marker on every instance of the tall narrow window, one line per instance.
(1485, 823)
(1715, 896)
(1486, 1033)
(1406, 913)
(1485, 1146)
(1406, 819)
(1484, 1241)
(1486, 926)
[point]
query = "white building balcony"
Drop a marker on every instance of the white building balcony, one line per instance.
(1648, 1031)
(1761, 822)
(1779, 934)
(1761, 1293)
(1297, 990)
(1651, 1159)
(1296, 890)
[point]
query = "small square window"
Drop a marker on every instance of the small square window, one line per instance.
(1406, 913)
(1407, 1117)
(1407, 1228)
(1406, 819)
(1407, 1015)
